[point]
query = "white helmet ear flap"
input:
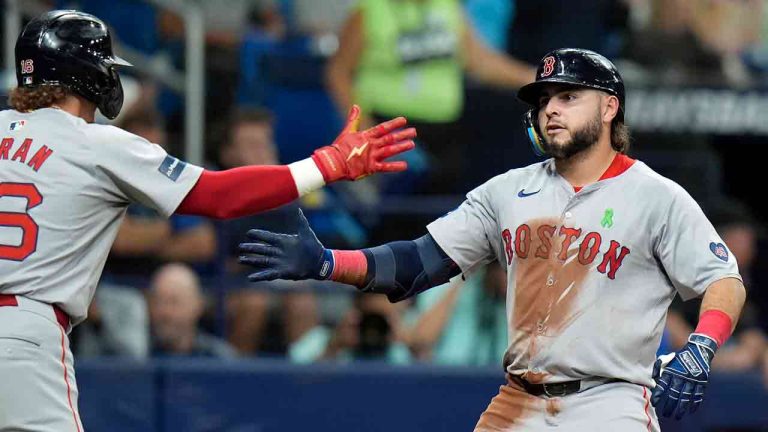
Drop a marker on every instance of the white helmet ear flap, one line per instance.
(530, 122)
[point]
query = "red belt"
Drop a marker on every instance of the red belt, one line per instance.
(61, 317)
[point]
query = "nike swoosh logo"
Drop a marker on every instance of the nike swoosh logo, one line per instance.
(523, 194)
(357, 151)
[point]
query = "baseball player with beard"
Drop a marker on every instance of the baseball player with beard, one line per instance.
(65, 184)
(596, 245)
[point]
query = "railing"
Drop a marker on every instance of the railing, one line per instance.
(266, 395)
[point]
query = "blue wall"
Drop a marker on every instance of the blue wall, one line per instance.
(265, 396)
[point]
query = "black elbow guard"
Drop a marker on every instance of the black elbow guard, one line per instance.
(405, 268)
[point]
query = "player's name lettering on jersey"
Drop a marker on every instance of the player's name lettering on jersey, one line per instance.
(546, 237)
(17, 150)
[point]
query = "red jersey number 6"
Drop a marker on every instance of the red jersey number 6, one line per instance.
(20, 220)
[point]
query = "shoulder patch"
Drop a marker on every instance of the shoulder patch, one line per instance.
(172, 167)
(719, 250)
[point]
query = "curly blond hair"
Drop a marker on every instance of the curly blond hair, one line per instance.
(25, 99)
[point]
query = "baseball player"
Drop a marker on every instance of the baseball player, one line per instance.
(65, 184)
(596, 245)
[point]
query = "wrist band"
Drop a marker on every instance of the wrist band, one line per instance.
(715, 324)
(307, 176)
(349, 267)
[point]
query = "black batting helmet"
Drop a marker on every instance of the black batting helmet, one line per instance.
(74, 50)
(570, 66)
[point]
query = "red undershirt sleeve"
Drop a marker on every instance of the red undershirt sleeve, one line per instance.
(240, 192)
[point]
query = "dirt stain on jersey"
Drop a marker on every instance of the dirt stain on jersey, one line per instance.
(534, 377)
(553, 406)
(546, 287)
(509, 409)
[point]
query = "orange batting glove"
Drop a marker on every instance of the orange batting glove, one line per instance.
(354, 155)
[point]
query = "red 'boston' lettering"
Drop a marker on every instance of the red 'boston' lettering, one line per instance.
(522, 240)
(545, 233)
(570, 235)
(587, 251)
(613, 259)
(507, 237)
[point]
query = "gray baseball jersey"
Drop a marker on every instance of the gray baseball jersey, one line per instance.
(590, 274)
(64, 188)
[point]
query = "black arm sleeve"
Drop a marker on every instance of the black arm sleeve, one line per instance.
(403, 269)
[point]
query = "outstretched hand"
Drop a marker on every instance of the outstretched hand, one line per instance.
(285, 256)
(682, 377)
(354, 155)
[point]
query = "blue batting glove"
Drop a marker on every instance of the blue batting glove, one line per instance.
(286, 256)
(682, 377)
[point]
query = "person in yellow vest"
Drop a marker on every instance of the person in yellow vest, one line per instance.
(408, 57)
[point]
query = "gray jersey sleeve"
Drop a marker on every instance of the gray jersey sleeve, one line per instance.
(690, 250)
(467, 234)
(137, 170)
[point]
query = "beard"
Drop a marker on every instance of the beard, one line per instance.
(581, 140)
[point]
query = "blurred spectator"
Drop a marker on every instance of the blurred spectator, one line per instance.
(407, 58)
(540, 26)
(694, 42)
(251, 142)
(757, 55)
(176, 305)
(124, 17)
(746, 347)
(311, 17)
(492, 19)
(728, 29)
(117, 325)
(370, 330)
(462, 323)
(227, 24)
(267, 30)
(250, 139)
(146, 239)
(225, 21)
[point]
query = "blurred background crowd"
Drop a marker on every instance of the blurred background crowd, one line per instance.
(279, 76)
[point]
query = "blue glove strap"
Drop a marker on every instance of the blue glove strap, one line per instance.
(704, 341)
(326, 265)
(704, 348)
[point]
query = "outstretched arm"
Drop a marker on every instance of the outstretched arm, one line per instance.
(681, 378)
(399, 269)
(248, 190)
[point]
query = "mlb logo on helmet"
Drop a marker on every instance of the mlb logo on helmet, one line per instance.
(17, 125)
(719, 250)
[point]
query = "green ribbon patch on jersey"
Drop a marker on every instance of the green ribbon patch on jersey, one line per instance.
(607, 221)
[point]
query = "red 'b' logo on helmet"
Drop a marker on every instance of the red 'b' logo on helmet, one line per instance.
(549, 66)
